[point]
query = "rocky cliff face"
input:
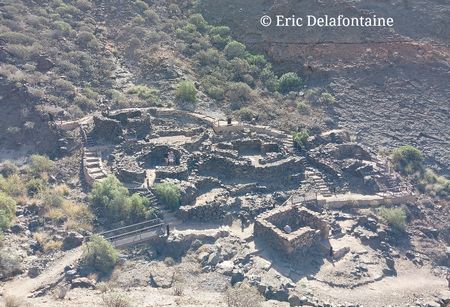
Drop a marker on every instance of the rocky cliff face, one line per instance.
(22, 125)
(391, 84)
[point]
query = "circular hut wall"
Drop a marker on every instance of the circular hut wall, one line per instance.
(158, 157)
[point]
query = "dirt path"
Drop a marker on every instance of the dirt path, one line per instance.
(23, 286)
(410, 285)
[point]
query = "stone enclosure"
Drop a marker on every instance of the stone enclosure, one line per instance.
(308, 230)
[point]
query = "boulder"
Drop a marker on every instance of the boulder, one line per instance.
(17, 228)
(34, 271)
(294, 300)
(213, 259)
(236, 276)
(83, 282)
(73, 239)
(70, 274)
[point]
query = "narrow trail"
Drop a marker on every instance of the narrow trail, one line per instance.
(410, 285)
(23, 286)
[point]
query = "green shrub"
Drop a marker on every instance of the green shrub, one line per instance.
(235, 49)
(301, 138)
(327, 98)
(290, 82)
(433, 184)
(142, 6)
(151, 17)
(35, 186)
(13, 185)
(303, 106)
(186, 91)
(7, 210)
(99, 255)
(407, 159)
(144, 92)
(246, 114)
(395, 217)
(169, 194)
(174, 9)
(222, 31)
(63, 27)
(238, 92)
(208, 57)
(215, 92)
(199, 22)
(111, 201)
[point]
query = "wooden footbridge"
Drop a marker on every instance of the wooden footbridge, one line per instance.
(135, 234)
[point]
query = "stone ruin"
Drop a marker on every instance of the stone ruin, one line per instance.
(309, 231)
(225, 171)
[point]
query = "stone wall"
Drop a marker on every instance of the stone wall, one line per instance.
(308, 229)
(273, 174)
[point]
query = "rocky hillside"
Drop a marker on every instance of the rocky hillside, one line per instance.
(391, 85)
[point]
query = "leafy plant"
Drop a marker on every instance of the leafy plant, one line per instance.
(99, 254)
(186, 91)
(40, 164)
(235, 49)
(169, 194)
(395, 217)
(407, 159)
(300, 138)
(111, 201)
(7, 210)
(290, 82)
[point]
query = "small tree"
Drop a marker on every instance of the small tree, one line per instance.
(407, 159)
(169, 194)
(235, 49)
(186, 91)
(100, 255)
(290, 82)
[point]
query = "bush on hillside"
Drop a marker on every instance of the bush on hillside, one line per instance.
(235, 49)
(7, 210)
(13, 185)
(111, 201)
(169, 194)
(395, 217)
(99, 255)
(144, 92)
(186, 91)
(407, 159)
(238, 92)
(433, 184)
(300, 138)
(40, 164)
(290, 82)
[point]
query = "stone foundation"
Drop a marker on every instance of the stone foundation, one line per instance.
(308, 229)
